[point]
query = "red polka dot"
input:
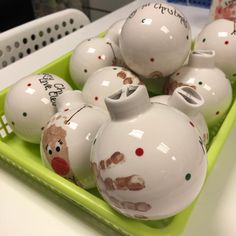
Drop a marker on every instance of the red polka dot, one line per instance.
(191, 123)
(29, 84)
(226, 42)
(139, 152)
(152, 59)
(96, 98)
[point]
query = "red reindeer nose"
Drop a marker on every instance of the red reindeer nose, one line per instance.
(60, 166)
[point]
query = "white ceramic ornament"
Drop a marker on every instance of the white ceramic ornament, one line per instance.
(105, 82)
(149, 161)
(209, 81)
(113, 33)
(67, 139)
(70, 100)
(220, 36)
(155, 40)
(31, 102)
(176, 100)
(91, 55)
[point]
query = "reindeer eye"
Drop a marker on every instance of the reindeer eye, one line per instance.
(49, 150)
(58, 146)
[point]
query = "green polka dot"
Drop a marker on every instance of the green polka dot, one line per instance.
(188, 176)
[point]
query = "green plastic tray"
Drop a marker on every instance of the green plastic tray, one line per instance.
(26, 157)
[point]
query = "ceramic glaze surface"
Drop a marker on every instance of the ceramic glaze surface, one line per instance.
(197, 118)
(155, 163)
(105, 82)
(113, 33)
(91, 55)
(66, 143)
(155, 40)
(70, 100)
(207, 80)
(220, 36)
(31, 102)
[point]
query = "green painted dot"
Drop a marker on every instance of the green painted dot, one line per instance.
(24, 114)
(188, 177)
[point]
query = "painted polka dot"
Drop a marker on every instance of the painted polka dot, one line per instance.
(67, 109)
(85, 71)
(200, 82)
(204, 40)
(191, 123)
(226, 42)
(96, 98)
(188, 176)
(187, 37)
(24, 114)
(13, 123)
(29, 84)
(42, 128)
(114, 68)
(139, 152)
(177, 73)
(152, 59)
(217, 113)
(99, 57)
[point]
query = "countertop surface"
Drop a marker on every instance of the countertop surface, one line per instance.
(28, 208)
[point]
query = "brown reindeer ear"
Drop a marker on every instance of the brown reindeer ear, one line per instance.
(128, 80)
(121, 74)
(53, 131)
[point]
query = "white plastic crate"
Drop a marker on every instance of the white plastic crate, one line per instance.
(23, 40)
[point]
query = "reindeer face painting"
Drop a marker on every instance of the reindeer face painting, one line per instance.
(56, 150)
(67, 140)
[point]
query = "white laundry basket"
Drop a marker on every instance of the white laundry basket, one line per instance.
(23, 40)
